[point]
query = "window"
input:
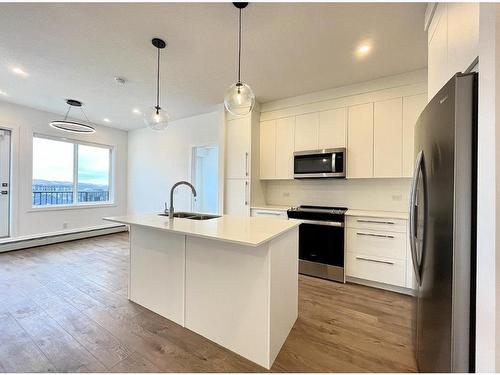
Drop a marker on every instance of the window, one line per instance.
(70, 173)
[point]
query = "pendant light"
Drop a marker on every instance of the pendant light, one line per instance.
(239, 99)
(73, 126)
(158, 118)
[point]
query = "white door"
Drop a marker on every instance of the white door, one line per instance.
(237, 197)
(4, 183)
(205, 178)
(238, 143)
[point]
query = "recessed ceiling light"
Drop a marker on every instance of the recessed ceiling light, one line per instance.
(19, 71)
(106, 119)
(3, 93)
(136, 111)
(363, 49)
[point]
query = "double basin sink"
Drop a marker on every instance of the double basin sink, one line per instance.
(191, 215)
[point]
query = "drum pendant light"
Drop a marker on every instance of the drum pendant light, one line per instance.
(158, 118)
(239, 99)
(73, 126)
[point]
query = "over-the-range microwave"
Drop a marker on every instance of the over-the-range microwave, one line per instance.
(327, 163)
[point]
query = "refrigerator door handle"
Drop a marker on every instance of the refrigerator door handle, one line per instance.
(413, 231)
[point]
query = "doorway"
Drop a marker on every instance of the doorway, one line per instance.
(4, 183)
(205, 178)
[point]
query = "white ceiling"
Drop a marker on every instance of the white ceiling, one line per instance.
(75, 50)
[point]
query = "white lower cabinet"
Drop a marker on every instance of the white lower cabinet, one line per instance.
(382, 270)
(278, 214)
(376, 250)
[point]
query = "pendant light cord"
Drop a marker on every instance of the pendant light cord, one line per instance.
(158, 84)
(239, 50)
(67, 113)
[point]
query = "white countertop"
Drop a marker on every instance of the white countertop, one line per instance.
(252, 231)
(381, 214)
(271, 207)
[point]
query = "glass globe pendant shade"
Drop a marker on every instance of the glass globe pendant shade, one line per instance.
(239, 99)
(157, 119)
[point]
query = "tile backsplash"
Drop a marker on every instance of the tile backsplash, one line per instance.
(363, 194)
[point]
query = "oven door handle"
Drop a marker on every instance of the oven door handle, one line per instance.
(319, 222)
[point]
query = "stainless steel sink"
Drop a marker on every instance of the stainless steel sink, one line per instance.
(191, 215)
(203, 217)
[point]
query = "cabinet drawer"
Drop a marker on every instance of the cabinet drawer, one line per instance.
(377, 243)
(376, 223)
(270, 213)
(382, 270)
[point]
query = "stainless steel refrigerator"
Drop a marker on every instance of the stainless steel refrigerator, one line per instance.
(442, 228)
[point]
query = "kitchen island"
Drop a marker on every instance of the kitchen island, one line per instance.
(233, 280)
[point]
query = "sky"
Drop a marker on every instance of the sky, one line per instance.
(53, 161)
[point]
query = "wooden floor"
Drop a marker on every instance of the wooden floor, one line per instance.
(63, 308)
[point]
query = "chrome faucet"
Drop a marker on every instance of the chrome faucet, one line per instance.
(171, 209)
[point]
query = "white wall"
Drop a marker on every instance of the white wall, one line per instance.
(23, 122)
(158, 159)
(362, 194)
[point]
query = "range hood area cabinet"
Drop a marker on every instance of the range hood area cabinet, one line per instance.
(378, 137)
(241, 181)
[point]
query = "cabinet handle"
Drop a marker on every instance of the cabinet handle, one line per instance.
(246, 193)
(246, 163)
(374, 235)
(270, 213)
(375, 260)
(375, 221)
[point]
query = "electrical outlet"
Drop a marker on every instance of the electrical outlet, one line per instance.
(397, 197)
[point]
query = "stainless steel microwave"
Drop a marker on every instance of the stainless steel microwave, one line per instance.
(327, 163)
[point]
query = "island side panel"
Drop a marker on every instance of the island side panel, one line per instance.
(284, 286)
(227, 295)
(157, 265)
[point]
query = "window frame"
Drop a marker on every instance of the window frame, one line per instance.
(76, 204)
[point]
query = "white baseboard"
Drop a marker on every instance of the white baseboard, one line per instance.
(18, 243)
(374, 284)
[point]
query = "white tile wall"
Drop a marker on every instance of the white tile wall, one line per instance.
(361, 194)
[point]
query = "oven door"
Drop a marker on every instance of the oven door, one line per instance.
(319, 163)
(321, 251)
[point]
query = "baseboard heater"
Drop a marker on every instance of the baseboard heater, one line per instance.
(57, 237)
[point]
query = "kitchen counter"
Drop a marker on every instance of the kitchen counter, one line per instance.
(380, 214)
(233, 280)
(252, 231)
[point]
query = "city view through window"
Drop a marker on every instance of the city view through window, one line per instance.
(66, 173)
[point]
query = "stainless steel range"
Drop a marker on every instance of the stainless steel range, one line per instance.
(321, 241)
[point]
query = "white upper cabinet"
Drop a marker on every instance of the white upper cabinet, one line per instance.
(463, 35)
(388, 138)
(332, 128)
(412, 108)
(268, 149)
(360, 141)
(306, 132)
(453, 42)
(238, 146)
(437, 52)
(285, 140)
